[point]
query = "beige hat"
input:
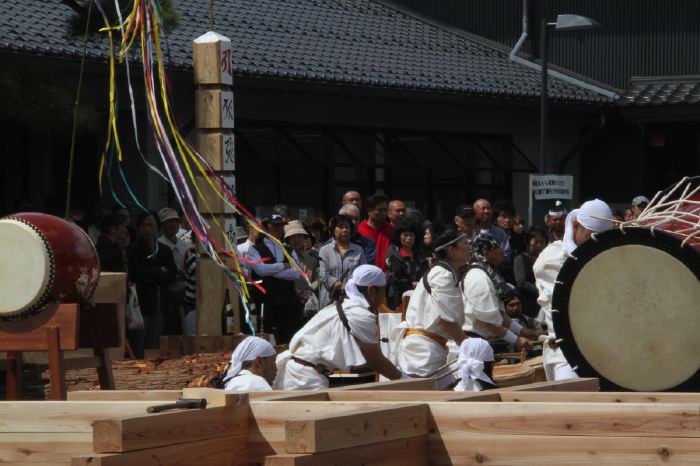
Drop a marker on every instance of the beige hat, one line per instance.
(166, 213)
(294, 227)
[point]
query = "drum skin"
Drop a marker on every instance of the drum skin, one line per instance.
(628, 311)
(74, 270)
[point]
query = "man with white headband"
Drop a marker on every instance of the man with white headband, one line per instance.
(592, 217)
(252, 368)
(341, 335)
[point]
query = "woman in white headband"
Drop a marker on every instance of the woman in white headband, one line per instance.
(435, 313)
(592, 217)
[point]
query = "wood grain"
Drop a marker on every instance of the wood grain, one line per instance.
(124, 395)
(401, 384)
(339, 431)
(168, 428)
(404, 452)
(55, 447)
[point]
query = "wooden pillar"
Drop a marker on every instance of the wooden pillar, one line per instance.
(214, 109)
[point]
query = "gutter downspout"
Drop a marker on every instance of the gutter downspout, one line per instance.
(552, 73)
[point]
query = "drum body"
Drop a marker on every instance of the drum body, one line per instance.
(628, 311)
(43, 260)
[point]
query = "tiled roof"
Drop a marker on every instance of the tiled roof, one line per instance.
(672, 90)
(356, 42)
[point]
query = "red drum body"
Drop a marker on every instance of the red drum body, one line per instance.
(628, 305)
(43, 260)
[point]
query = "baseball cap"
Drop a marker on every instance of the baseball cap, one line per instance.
(166, 213)
(640, 200)
(464, 211)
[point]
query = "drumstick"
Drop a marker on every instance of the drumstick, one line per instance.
(432, 374)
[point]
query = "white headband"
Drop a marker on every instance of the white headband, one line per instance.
(364, 275)
(593, 215)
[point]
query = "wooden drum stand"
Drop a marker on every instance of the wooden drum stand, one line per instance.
(59, 328)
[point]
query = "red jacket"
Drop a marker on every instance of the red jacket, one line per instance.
(382, 240)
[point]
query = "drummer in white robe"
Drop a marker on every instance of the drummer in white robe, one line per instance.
(435, 313)
(484, 290)
(252, 367)
(325, 343)
(592, 217)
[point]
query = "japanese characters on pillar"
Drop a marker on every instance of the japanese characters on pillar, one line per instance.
(214, 110)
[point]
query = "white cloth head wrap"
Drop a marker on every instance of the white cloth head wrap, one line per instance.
(473, 352)
(247, 350)
(593, 215)
(364, 275)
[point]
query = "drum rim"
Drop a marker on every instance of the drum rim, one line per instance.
(39, 302)
(582, 255)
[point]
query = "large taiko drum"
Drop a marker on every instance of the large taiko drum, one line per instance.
(43, 260)
(628, 304)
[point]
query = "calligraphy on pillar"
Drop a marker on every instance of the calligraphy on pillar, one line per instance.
(226, 63)
(227, 110)
(231, 183)
(228, 152)
(230, 229)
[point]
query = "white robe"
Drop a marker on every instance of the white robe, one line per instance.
(481, 303)
(417, 354)
(246, 381)
(546, 270)
(324, 340)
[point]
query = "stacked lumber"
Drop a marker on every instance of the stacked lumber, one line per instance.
(400, 423)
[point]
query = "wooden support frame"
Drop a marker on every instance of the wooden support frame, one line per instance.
(55, 330)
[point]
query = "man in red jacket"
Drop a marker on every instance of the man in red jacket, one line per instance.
(377, 228)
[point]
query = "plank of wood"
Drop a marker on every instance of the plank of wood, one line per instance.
(403, 452)
(301, 396)
(56, 447)
(216, 397)
(124, 395)
(403, 395)
(213, 452)
(521, 450)
(64, 416)
(168, 428)
(569, 385)
(400, 384)
(111, 288)
(30, 334)
(475, 396)
(356, 429)
(601, 397)
(267, 425)
(583, 419)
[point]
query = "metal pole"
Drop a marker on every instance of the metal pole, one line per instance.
(544, 101)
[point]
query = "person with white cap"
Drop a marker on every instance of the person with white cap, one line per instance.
(341, 335)
(639, 203)
(252, 367)
(475, 364)
(555, 221)
(592, 217)
(435, 313)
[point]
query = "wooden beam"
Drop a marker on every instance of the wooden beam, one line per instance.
(356, 429)
(301, 396)
(168, 428)
(64, 416)
(216, 397)
(37, 447)
(405, 395)
(405, 452)
(30, 334)
(267, 434)
(522, 450)
(124, 395)
(601, 397)
(584, 419)
(569, 385)
(213, 452)
(401, 384)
